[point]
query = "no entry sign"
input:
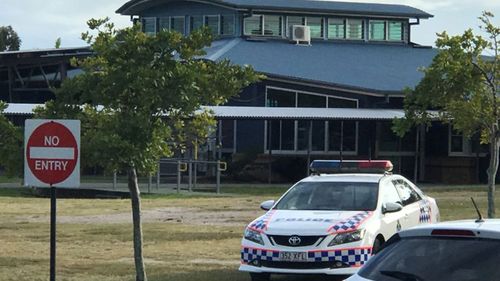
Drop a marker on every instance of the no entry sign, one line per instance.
(52, 153)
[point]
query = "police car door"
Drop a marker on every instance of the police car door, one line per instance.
(411, 202)
(391, 222)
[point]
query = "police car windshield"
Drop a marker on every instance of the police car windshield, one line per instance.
(331, 196)
(436, 259)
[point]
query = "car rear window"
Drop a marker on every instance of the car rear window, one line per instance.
(436, 259)
(342, 196)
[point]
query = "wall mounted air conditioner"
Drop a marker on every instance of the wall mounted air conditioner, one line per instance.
(301, 34)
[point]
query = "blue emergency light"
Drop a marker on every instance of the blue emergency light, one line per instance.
(350, 166)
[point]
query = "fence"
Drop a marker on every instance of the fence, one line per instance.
(184, 174)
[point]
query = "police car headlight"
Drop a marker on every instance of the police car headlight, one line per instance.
(347, 237)
(254, 236)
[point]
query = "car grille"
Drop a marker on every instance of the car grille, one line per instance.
(283, 240)
(299, 265)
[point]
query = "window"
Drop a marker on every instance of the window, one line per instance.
(177, 24)
(164, 24)
(227, 134)
(195, 22)
(272, 25)
(316, 26)
(336, 28)
(278, 98)
(227, 24)
(252, 25)
(318, 135)
(396, 31)
(390, 194)
(407, 194)
(293, 135)
(355, 29)
(306, 100)
(342, 103)
(344, 132)
(345, 196)
(149, 25)
(282, 134)
(213, 23)
(456, 141)
(377, 30)
(294, 21)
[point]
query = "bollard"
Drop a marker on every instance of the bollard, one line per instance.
(218, 177)
(150, 181)
(158, 177)
(195, 180)
(190, 172)
(178, 176)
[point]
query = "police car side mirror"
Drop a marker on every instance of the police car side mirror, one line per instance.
(391, 207)
(266, 205)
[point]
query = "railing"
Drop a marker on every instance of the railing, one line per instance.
(184, 174)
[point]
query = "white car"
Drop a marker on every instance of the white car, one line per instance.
(458, 251)
(333, 223)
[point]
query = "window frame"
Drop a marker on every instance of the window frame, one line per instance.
(403, 32)
(386, 29)
(205, 23)
(221, 25)
(143, 21)
(261, 24)
(322, 26)
(191, 29)
(363, 23)
(344, 21)
(296, 151)
(184, 23)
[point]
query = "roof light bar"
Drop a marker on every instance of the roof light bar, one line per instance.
(351, 166)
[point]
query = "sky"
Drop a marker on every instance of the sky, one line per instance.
(39, 23)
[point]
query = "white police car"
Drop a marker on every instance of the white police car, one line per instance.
(458, 251)
(333, 223)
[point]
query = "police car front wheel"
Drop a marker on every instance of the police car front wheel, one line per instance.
(260, 276)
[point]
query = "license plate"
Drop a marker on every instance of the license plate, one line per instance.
(293, 256)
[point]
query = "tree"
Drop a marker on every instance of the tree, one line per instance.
(135, 92)
(9, 40)
(462, 84)
(11, 145)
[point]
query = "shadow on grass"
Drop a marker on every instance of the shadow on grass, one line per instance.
(234, 275)
(16, 192)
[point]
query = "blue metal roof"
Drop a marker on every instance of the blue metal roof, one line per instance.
(134, 7)
(369, 68)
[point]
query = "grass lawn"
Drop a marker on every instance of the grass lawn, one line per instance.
(186, 237)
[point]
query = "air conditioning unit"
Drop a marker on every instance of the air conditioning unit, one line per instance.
(301, 33)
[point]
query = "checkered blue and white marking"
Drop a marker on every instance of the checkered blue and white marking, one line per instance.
(425, 211)
(350, 224)
(262, 223)
(354, 257)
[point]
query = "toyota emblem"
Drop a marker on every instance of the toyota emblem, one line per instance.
(294, 240)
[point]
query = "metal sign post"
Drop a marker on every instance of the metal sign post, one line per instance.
(52, 159)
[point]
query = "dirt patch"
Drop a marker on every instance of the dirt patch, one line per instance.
(194, 216)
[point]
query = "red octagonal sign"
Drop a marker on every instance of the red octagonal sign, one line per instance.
(52, 153)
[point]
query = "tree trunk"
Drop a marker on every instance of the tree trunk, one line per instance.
(135, 198)
(492, 174)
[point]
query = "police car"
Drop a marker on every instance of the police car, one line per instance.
(458, 251)
(334, 220)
